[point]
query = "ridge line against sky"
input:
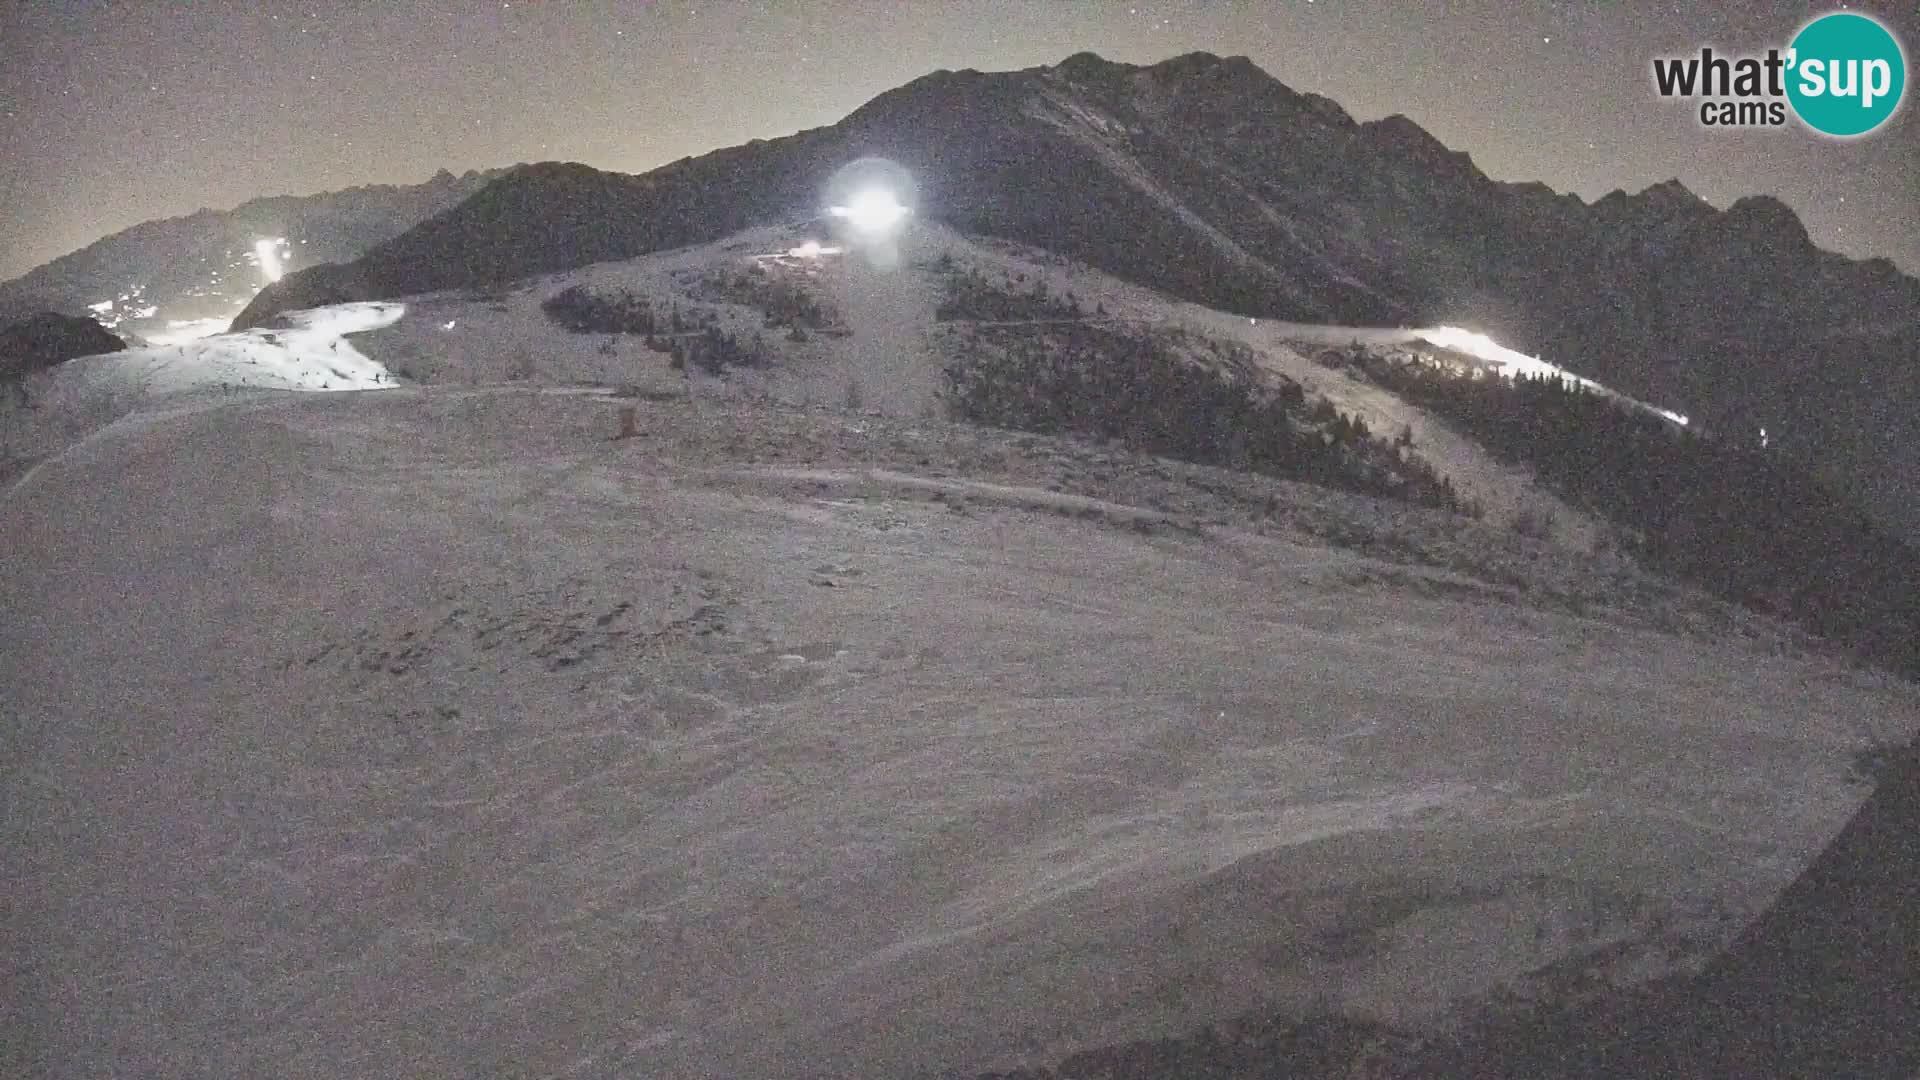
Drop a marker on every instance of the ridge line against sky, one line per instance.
(116, 113)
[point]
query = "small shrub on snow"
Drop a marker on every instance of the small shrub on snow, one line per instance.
(1534, 523)
(583, 311)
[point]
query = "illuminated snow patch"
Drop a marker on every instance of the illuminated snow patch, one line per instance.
(310, 353)
(313, 354)
(340, 319)
(180, 331)
(812, 249)
(1509, 362)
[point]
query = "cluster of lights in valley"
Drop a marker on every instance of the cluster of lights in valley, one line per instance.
(264, 264)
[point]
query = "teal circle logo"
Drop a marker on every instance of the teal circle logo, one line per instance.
(1846, 74)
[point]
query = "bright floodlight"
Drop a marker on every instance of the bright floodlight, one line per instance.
(875, 211)
(268, 252)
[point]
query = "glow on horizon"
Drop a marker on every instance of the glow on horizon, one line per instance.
(181, 331)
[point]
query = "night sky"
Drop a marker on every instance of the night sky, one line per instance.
(114, 113)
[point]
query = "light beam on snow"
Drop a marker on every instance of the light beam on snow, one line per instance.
(812, 249)
(1509, 362)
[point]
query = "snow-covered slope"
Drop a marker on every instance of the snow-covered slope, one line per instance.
(885, 353)
(890, 358)
(437, 732)
(55, 408)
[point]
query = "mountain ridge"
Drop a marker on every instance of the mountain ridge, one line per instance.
(1209, 179)
(1183, 90)
(203, 264)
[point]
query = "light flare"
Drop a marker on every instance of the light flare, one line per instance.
(875, 211)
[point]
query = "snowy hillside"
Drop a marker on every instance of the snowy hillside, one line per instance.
(435, 732)
(55, 408)
(885, 348)
(795, 730)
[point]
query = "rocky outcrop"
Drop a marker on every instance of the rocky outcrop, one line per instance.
(40, 341)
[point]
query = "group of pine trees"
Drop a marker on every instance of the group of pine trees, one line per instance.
(1747, 524)
(974, 297)
(785, 304)
(714, 351)
(688, 339)
(584, 311)
(1135, 389)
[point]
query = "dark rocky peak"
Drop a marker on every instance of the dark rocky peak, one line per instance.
(1329, 112)
(941, 98)
(1400, 131)
(1206, 65)
(1541, 204)
(1613, 202)
(47, 338)
(1758, 233)
(1532, 191)
(1672, 193)
(1204, 86)
(1766, 221)
(1409, 144)
(1664, 207)
(1671, 201)
(1091, 67)
(1205, 73)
